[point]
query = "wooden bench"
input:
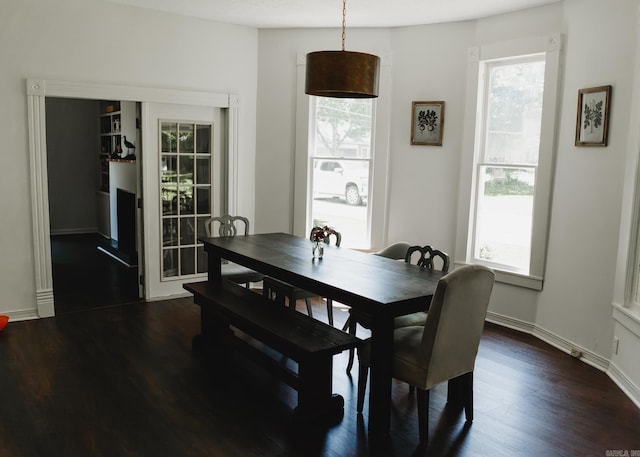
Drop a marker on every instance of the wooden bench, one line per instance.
(309, 342)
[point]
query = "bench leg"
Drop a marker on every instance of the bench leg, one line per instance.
(212, 332)
(315, 399)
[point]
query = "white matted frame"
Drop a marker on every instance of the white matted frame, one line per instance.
(592, 118)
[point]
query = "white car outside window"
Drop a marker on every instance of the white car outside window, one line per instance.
(348, 179)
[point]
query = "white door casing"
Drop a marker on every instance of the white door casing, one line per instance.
(37, 90)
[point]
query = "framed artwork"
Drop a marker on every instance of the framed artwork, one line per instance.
(592, 123)
(427, 123)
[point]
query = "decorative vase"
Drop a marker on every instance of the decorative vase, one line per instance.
(318, 249)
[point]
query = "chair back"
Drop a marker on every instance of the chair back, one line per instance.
(228, 225)
(427, 257)
(395, 251)
(455, 322)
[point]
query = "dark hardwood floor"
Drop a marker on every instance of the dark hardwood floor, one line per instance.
(87, 278)
(122, 381)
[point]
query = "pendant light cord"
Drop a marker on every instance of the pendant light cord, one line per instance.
(344, 22)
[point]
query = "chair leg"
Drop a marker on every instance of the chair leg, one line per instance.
(309, 310)
(467, 392)
(423, 415)
(330, 311)
(350, 326)
(363, 373)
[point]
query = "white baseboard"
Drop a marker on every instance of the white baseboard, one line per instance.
(591, 358)
(21, 315)
(625, 384)
(510, 322)
(567, 346)
(74, 231)
(548, 337)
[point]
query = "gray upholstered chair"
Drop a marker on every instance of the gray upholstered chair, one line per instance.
(445, 348)
(395, 251)
(230, 226)
(277, 290)
(425, 257)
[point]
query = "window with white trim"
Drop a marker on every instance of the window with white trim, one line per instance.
(340, 144)
(512, 147)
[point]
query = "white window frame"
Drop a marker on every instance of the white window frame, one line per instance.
(551, 47)
(378, 179)
(312, 157)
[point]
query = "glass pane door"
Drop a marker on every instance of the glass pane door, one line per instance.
(186, 194)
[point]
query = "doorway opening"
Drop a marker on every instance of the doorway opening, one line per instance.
(93, 185)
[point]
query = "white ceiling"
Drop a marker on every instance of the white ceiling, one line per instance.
(328, 13)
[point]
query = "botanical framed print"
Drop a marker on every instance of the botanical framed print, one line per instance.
(592, 123)
(427, 123)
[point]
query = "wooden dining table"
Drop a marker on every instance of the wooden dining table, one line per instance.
(381, 287)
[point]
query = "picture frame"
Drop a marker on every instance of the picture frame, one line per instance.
(592, 120)
(427, 123)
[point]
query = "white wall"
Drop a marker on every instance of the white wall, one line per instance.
(73, 166)
(429, 63)
(583, 238)
(104, 42)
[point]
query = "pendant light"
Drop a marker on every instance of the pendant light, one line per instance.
(342, 74)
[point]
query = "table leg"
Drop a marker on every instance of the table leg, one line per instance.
(211, 329)
(381, 371)
(215, 267)
(315, 399)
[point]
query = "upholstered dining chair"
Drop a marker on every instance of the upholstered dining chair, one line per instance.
(228, 225)
(425, 257)
(395, 251)
(445, 348)
(277, 290)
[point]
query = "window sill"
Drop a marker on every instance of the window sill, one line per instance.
(515, 279)
(628, 317)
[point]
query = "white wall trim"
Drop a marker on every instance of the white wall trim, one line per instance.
(626, 317)
(588, 357)
(36, 91)
(625, 384)
(510, 322)
(551, 338)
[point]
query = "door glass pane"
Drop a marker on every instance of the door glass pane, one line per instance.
(203, 200)
(187, 261)
(201, 259)
(185, 139)
(203, 139)
(169, 263)
(169, 195)
(341, 167)
(187, 231)
(186, 199)
(203, 170)
(185, 176)
(170, 232)
(169, 136)
(169, 169)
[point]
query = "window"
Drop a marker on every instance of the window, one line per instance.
(511, 149)
(340, 166)
(507, 162)
(185, 158)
